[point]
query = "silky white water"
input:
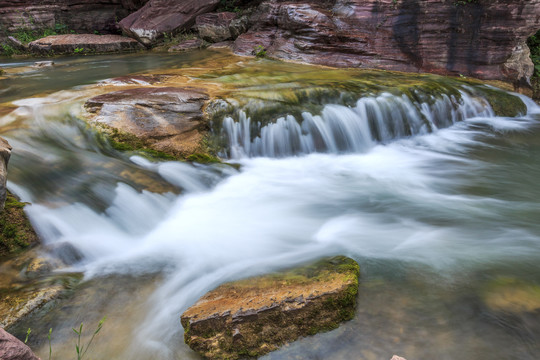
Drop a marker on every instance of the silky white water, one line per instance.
(444, 202)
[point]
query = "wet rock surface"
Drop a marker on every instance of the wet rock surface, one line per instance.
(133, 80)
(28, 284)
(83, 44)
(12, 348)
(159, 17)
(473, 38)
(252, 317)
(166, 118)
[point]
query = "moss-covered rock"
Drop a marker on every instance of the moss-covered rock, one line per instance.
(165, 123)
(16, 233)
(252, 317)
(503, 103)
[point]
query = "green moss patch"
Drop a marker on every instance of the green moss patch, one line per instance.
(16, 233)
(503, 103)
(534, 45)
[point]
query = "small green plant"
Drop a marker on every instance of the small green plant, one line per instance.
(464, 2)
(78, 50)
(60, 28)
(29, 31)
(229, 5)
(82, 349)
(27, 335)
(50, 346)
(259, 51)
(176, 38)
(534, 45)
(8, 50)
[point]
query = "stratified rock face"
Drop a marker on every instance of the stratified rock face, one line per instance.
(83, 43)
(474, 38)
(78, 15)
(166, 118)
(255, 316)
(159, 17)
(192, 44)
(214, 27)
(5, 154)
(12, 348)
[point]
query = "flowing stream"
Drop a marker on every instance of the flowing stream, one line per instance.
(438, 200)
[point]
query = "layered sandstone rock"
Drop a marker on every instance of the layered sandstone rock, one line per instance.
(167, 119)
(187, 45)
(83, 44)
(159, 17)
(12, 348)
(77, 15)
(252, 317)
(218, 27)
(442, 36)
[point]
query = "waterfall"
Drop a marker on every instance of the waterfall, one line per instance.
(342, 129)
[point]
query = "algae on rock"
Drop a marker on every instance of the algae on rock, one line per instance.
(16, 232)
(251, 317)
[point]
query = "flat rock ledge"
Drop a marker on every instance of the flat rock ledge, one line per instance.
(84, 44)
(166, 119)
(251, 317)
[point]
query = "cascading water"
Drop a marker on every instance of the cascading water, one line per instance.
(341, 129)
(434, 218)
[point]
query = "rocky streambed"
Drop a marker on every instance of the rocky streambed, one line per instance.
(148, 227)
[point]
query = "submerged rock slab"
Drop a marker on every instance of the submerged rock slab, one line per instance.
(167, 119)
(252, 317)
(83, 43)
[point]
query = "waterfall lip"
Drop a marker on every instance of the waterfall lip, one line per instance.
(339, 129)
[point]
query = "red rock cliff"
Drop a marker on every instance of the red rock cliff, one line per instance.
(481, 38)
(78, 15)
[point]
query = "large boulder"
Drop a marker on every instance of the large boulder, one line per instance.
(167, 119)
(474, 38)
(255, 316)
(12, 348)
(5, 154)
(83, 44)
(159, 17)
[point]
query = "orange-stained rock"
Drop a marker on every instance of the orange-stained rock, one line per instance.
(254, 316)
